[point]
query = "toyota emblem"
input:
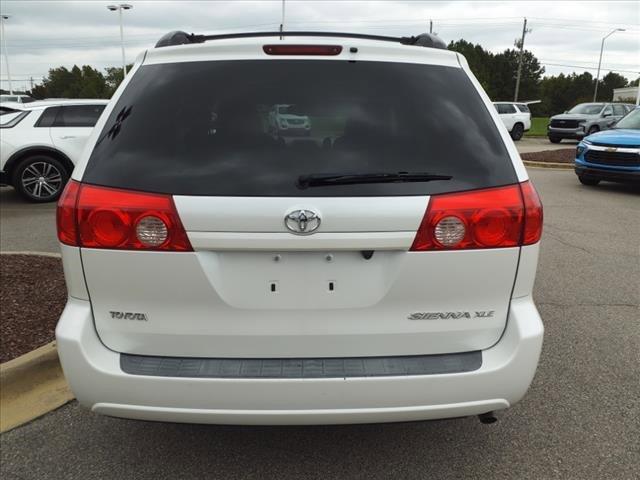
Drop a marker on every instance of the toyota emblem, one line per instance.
(302, 222)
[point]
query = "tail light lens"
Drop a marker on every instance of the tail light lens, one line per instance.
(66, 214)
(532, 214)
(101, 217)
(491, 218)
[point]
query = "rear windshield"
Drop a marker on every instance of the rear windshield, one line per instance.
(251, 128)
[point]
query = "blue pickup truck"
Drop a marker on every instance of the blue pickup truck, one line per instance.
(612, 155)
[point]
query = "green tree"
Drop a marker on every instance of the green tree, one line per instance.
(606, 85)
(85, 82)
(497, 72)
(505, 73)
(114, 77)
(561, 92)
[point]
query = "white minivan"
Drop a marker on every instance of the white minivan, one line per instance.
(379, 269)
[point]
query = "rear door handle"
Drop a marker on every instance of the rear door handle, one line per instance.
(65, 137)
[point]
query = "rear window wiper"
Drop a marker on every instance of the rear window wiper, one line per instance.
(323, 179)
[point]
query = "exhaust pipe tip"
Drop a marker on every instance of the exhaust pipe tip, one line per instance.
(487, 418)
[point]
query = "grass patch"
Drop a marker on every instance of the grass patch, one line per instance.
(538, 127)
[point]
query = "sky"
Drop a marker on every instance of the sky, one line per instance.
(565, 35)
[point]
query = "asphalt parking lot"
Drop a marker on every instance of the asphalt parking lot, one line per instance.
(26, 226)
(580, 419)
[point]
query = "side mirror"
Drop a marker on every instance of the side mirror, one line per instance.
(605, 115)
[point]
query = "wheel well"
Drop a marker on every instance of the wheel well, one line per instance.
(17, 157)
(518, 123)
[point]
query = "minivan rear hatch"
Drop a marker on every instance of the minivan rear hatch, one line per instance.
(294, 252)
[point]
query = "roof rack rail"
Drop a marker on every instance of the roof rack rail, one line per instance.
(182, 38)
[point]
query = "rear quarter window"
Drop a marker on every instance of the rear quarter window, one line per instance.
(48, 117)
(251, 128)
(78, 116)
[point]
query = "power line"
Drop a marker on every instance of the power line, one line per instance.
(555, 60)
(577, 20)
(579, 28)
(542, 62)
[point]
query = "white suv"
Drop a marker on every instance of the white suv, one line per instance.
(15, 99)
(285, 121)
(516, 117)
(378, 270)
(40, 143)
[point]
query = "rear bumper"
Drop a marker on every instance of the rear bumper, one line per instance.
(95, 376)
(608, 173)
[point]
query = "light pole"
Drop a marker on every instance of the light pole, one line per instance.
(595, 92)
(119, 8)
(4, 48)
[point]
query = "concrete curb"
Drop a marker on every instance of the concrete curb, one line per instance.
(30, 386)
(35, 254)
(554, 165)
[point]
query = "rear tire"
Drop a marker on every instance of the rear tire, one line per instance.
(555, 139)
(40, 178)
(592, 182)
(517, 131)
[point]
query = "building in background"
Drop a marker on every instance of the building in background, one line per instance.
(626, 94)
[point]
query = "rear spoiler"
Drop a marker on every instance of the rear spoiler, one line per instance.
(6, 109)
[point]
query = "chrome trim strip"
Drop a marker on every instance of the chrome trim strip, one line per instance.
(609, 149)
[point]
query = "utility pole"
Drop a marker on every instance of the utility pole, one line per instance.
(430, 26)
(4, 48)
(31, 80)
(520, 43)
(595, 91)
(282, 21)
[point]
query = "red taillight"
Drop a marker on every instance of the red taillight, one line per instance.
(100, 217)
(66, 214)
(491, 218)
(533, 214)
(330, 50)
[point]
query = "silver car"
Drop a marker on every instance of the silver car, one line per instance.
(585, 119)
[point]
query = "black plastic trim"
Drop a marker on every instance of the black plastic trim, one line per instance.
(183, 38)
(16, 120)
(620, 176)
(347, 367)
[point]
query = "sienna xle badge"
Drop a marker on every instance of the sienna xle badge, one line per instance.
(275, 229)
